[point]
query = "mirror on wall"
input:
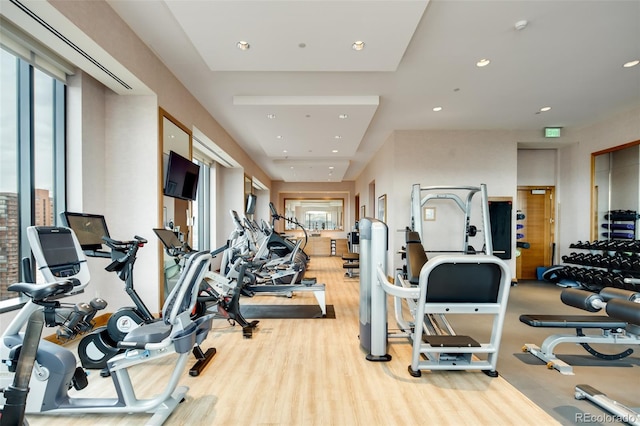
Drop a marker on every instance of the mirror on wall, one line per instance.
(315, 214)
(616, 187)
(175, 145)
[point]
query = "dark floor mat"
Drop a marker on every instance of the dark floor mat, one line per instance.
(285, 311)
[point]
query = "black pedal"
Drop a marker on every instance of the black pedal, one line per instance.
(79, 380)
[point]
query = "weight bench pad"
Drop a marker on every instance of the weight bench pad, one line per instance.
(351, 265)
(572, 321)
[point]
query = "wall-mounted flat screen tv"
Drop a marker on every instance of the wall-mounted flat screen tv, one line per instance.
(181, 180)
(251, 204)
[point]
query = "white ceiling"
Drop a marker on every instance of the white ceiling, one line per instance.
(301, 69)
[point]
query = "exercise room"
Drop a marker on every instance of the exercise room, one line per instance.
(292, 213)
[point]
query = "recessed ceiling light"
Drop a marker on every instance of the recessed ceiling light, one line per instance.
(358, 45)
(284, 150)
(337, 137)
(545, 109)
(291, 167)
(243, 45)
(483, 63)
(631, 63)
(343, 116)
(279, 137)
(334, 151)
(521, 25)
(271, 116)
(330, 167)
(438, 108)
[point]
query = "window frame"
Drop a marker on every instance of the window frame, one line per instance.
(26, 153)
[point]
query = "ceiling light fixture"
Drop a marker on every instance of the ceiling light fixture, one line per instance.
(335, 151)
(632, 63)
(243, 45)
(279, 137)
(271, 116)
(545, 109)
(438, 108)
(343, 116)
(284, 150)
(483, 63)
(358, 45)
(331, 167)
(337, 137)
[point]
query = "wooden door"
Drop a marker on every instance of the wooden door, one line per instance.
(538, 206)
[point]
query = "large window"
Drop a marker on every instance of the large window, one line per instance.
(201, 207)
(32, 108)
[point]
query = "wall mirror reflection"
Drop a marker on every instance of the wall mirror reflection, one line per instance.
(177, 186)
(616, 192)
(315, 214)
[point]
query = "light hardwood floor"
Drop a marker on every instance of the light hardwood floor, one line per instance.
(312, 371)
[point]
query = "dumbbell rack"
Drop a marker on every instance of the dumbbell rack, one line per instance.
(606, 264)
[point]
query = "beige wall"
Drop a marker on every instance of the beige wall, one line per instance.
(537, 167)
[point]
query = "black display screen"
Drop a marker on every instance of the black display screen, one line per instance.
(58, 247)
(89, 229)
(169, 238)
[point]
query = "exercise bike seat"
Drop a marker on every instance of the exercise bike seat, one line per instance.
(139, 337)
(42, 291)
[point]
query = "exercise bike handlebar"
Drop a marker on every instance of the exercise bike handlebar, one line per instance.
(120, 245)
(129, 248)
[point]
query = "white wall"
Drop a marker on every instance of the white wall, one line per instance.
(537, 167)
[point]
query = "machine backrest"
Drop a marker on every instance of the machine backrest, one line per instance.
(464, 283)
(416, 258)
(59, 255)
(412, 237)
(184, 295)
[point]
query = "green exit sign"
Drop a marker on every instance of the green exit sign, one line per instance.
(552, 132)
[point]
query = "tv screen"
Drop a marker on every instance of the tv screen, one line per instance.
(89, 228)
(181, 180)
(251, 204)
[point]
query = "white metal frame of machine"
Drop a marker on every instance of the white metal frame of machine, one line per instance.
(421, 196)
